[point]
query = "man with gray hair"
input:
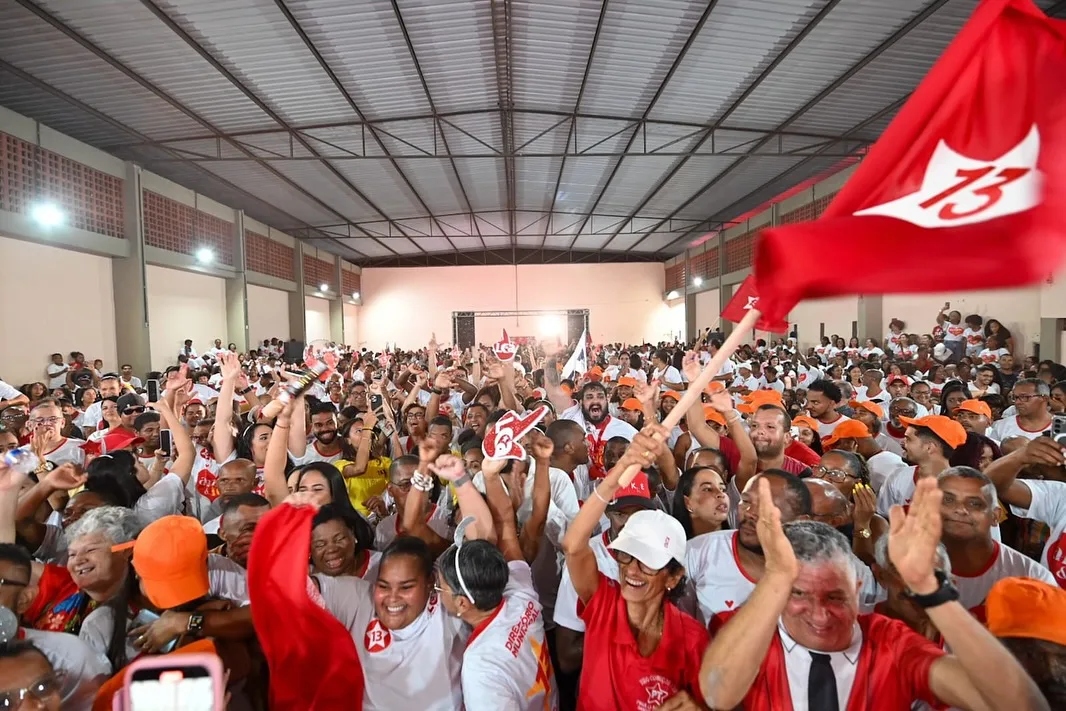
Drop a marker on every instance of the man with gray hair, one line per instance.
(799, 641)
(1030, 397)
(969, 513)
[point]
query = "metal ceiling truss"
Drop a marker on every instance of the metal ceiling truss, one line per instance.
(511, 256)
(888, 43)
(501, 44)
(85, 43)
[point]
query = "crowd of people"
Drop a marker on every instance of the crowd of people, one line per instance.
(858, 526)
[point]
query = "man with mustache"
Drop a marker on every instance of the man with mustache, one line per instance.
(592, 414)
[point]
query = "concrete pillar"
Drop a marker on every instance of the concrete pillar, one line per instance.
(129, 283)
(297, 305)
(691, 327)
(725, 294)
(336, 305)
(1050, 339)
(237, 289)
(870, 318)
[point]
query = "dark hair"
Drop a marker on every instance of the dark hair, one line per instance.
(484, 571)
(470, 443)
(928, 435)
(591, 385)
(857, 463)
(722, 459)
(684, 488)
(780, 411)
(145, 418)
(827, 388)
(338, 493)
(239, 500)
(349, 412)
(364, 534)
(634, 362)
(441, 421)
(663, 355)
(1002, 336)
(17, 555)
(18, 647)
(968, 454)
(949, 388)
(323, 409)
(797, 491)
(413, 547)
(114, 475)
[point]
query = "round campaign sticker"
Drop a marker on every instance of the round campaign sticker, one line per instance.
(377, 637)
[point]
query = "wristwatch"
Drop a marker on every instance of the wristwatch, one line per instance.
(196, 624)
(863, 532)
(946, 592)
(436, 391)
(245, 391)
(464, 479)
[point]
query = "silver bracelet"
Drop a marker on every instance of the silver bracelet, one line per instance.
(422, 482)
(596, 493)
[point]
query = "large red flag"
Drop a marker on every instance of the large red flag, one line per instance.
(966, 189)
(313, 662)
(746, 298)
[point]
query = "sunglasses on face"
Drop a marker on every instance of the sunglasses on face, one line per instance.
(137, 410)
(45, 421)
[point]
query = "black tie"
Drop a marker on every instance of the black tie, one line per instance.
(822, 684)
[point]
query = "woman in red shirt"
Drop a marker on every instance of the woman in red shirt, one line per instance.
(640, 649)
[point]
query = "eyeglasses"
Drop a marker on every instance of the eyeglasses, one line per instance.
(46, 421)
(625, 559)
(838, 475)
(136, 410)
(1024, 398)
(38, 691)
(15, 583)
(401, 485)
(415, 416)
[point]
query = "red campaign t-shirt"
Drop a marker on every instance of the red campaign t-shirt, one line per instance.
(614, 677)
(59, 606)
(893, 670)
(792, 465)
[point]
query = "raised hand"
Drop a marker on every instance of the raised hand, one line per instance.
(721, 400)
(443, 380)
(66, 477)
(429, 450)
(493, 467)
(448, 467)
(301, 498)
(913, 537)
(433, 345)
(865, 506)
(231, 367)
(540, 445)
(690, 366)
(646, 392)
(777, 551)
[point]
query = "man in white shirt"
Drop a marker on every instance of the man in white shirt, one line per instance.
(977, 559)
(128, 379)
(668, 376)
(1030, 397)
(929, 443)
(10, 396)
(215, 350)
(592, 414)
(728, 369)
(744, 383)
(823, 398)
(110, 386)
(57, 372)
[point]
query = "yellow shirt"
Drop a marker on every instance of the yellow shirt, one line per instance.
(372, 482)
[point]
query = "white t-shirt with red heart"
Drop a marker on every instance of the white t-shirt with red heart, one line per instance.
(953, 331)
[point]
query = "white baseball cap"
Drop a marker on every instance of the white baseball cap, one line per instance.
(653, 538)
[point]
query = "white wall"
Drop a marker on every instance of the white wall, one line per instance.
(55, 300)
(1017, 309)
(317, 313)
(351, 325)
(405, 306)
(183, 305)
(268, 314)
(708, 309)
(836, 313)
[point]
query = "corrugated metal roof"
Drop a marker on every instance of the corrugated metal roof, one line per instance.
(648, 60)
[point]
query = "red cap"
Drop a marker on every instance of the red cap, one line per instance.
(112, 442)
(637, 493)
(893, 378)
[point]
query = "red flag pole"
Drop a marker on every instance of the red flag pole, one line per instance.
(696, 387)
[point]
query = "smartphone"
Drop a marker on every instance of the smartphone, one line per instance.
(1058, 429)
(376, 402)
(166, 442)
(152, 387)
(174, 682)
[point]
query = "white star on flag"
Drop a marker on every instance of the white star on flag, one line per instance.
(959, 190)
(752, 300)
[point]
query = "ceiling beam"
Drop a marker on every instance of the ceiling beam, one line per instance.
(251, 96)
(343, 91)
(854, 69)
(159, 93)
(651, 105)
(781, 56)
(432, 106)
(571, 132)
(519, 255)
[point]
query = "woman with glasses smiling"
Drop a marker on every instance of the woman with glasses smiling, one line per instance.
(848, 472)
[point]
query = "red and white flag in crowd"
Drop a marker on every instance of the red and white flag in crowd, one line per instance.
(746, 298)
(965, 189)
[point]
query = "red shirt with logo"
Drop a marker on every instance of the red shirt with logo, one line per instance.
(615, 677)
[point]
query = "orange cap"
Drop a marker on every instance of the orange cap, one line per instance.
(978, 407)
(566, 389)
(596, 370)
(848, 429)
(761, 397)
(632, 403)
(712, 415)
(870, 406)
(672, 394)
(1024, 607)
(627, 380)
(943, 427)
(714, 386)
(170, 557)
(804, 421)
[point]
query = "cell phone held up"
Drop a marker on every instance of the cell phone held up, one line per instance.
(166, 442)
(152, 389)
(182, 682)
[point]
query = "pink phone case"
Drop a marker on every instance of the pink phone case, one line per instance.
(174, 661)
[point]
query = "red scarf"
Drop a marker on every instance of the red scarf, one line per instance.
(596, 445)
(309, 652)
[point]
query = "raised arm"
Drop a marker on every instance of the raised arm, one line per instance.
(749, 459)
(275, 486)
(733, 658)
(185, 450)
(297, 437)
(222, 436)
(980, 673)
(541, 448)
(553, 386)
(362, 455)
(580, 559)
(503, 513)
